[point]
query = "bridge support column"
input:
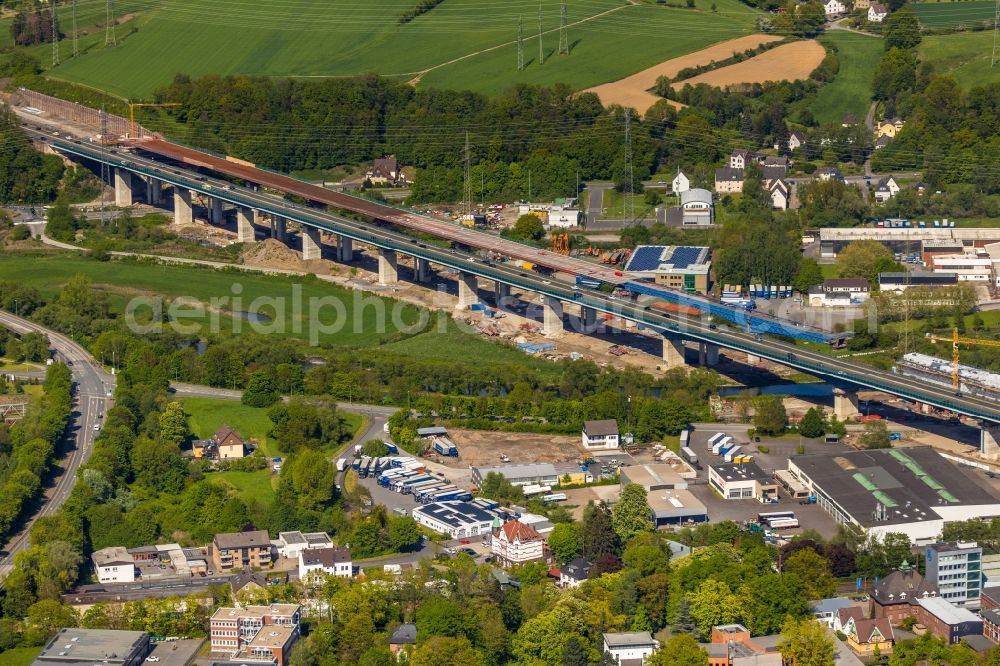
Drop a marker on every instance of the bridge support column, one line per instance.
(183, 211)
(501, 291)
(753, 359)
(388, 269)
(989, 441)
(588, 319)
(345, 249)
(845, 404)
(154, 192)
(278, 227)
(423, 270)
(708, 354)
(312, 246)
(673, 353)
(468, 290)
(123, 187)
(552, 317)
(244, 225)
(215, 211)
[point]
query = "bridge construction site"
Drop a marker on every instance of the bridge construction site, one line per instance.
(149, 167)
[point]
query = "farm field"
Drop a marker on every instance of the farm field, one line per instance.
(965, 56)
(953, 14)
(454, 45)
(788, 62)
(850, 90)
(123, 281)
(633, 90)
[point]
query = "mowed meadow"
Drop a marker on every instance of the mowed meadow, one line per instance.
(462, 44)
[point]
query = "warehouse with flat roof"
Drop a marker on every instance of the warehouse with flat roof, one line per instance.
(457, 519)
(652, 477)
(86, 647)
(676, 507)
(913, 490)
(520, 475)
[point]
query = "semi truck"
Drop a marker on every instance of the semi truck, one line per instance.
(342, 464)
(445, 448)
(688, 454)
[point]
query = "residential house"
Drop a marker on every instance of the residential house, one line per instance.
(631, 647)
(780, 193)
(885, 189)
(516, 543)
(680, 183)
(601, 434)
(239, 550)
(775, 161)
(248, 584)
(290, 544)
(849, 119)
(255, 633)
(773, 172)
(862, 4)
(697, 208)
(796, 140)
(882, 142)
(877, 12)
(858, 288)
(888, 127)
(228, 443)
(865, 636)
(834, 8)
(741, 158)
(335, 561)
(386, 171)
(728, 180)
(114, 565)
(826, 173)
(825, 610)
(403, 640)
(894, 597)
(574, 573)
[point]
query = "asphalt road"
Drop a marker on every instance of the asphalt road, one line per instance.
(91, 385)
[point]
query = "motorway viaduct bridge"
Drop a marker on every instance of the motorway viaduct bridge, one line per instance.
(182, 174)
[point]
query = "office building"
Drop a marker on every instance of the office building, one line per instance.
(956, 569)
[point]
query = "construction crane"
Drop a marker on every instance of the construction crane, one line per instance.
(133, 106)
(955, 341)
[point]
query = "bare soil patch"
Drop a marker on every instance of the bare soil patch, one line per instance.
(788, 62)
(480, 447)
(273, 253)
(632, 91)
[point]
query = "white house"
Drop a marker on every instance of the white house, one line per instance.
(680, 183)
(516, 543)
(834, 7)
(780, 194)
(600, 434)
(333, 561)
(574, 573)
(796, 140)
(629, 646)
(877, 12)
(456, 519)
(114, 565)
(290, 544)
(886, 189)
(740, 158)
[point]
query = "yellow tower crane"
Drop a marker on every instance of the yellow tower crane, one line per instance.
(133, 106)
(955, 341)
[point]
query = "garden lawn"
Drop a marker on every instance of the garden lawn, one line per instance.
(851, 89)
(252, 486)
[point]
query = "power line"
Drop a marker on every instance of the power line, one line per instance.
(467, 194)
(564, 33)
(110, 36)
(55, 32)
(629, 199)
(520, 43)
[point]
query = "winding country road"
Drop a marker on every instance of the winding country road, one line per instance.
(91, 386)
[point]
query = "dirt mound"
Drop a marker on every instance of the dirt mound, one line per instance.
(274, 254)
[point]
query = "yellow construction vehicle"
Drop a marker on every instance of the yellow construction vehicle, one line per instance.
(560, 243)
(955, 341)
(133, 106)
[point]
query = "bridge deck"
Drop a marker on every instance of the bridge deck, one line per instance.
(427, 224)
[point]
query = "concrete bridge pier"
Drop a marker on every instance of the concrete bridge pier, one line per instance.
(501, 291)
(215, 211)
(345, 249)
(244, 224)
(708, 354)
(423, 269)
(312, 245)
(552, 317)
(154, 191)
(388, 267)
(183, 211)
(753, 359)
(468, 290)
(989, 440)
(673, 353)
(279, 229)
(124, 192)
(845, 404)
(588, 319)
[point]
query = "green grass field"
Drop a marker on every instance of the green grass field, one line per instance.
(851, 89)
(252, 486)
(953, 14)
(19, 656)
(964, 55)
(123, 281)
(464, 43)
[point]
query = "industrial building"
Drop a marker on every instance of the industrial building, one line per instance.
(914, 490)
(972, 381)
(696, 209)
(520, 475)
(458, 519)
(86, 647)
(652, 477)
(742, 481)
(676, 507)
(900, 282)
(676, 266)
